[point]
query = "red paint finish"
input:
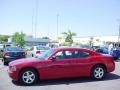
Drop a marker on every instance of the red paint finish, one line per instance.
(74, 65)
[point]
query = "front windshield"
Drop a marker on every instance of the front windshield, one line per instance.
(45, 55)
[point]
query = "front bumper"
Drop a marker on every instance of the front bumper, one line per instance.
(13, 75)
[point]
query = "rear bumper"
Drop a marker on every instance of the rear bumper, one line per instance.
(9, 59)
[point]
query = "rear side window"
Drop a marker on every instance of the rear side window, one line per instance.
(80, 54)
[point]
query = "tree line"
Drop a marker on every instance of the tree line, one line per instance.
(18, 38)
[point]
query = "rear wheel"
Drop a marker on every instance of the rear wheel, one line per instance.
(98, 72)
(28, 76)
(32, 55)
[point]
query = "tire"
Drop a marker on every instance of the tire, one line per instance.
(5, 62)
(32, 55)
(98, 72)
(28, 76)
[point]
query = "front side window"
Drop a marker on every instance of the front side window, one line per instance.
(64, 54)
(59, 55)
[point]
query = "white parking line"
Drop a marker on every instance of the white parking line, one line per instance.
(2, 68)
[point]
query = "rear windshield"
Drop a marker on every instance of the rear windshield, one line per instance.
(42, 48)
(13, 49)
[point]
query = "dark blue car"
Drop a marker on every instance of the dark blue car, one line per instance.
(12, 53)
(103, 50)
(116, 54)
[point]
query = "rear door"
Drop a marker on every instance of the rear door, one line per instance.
(80, 63)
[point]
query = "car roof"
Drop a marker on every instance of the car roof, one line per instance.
(78, 48)
(73, 48)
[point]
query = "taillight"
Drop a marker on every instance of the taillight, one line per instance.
(37, 52)
(24, 53)
(6, 54)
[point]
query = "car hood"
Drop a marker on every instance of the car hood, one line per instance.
(24, 60)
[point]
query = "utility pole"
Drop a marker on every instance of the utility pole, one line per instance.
(118, 32)
(32, 23)
(57, 25)
(36, 17)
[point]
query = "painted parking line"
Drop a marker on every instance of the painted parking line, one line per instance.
(2, 68)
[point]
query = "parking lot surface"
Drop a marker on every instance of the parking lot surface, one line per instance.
(111, 82)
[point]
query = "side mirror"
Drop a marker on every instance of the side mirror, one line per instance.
(53, 58)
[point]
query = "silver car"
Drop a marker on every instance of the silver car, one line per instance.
(36, 50)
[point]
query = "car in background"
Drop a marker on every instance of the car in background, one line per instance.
(12, 53)
(1, 46)
(103, 50)
(116, 53)
(57, 63)
(36, 50)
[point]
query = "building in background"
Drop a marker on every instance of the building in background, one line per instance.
(36, 41)
(97, 40)
(29, 41)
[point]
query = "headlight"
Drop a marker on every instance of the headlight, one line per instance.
(12, 68)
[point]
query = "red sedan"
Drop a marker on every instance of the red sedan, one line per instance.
(61, 63)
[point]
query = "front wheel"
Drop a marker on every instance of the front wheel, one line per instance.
(32, 55)
(28, 76)
(98, 72)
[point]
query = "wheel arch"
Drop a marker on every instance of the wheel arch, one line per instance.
(99, 64)
(29, 67)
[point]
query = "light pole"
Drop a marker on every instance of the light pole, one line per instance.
(57, 25)
(36, 17)
(118, 32)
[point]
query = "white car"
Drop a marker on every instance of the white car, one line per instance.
(37, 50)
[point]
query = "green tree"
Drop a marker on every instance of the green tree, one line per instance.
(18, 38)
(69, 37)
(4, 38)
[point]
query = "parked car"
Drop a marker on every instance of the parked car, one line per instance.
(12, 53)
(37, 50)
(103, 50)
(116, 53)
(1, 47)
(61, 63)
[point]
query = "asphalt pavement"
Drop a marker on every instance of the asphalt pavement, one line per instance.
(111, 82)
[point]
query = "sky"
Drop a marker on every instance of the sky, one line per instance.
(52, 17)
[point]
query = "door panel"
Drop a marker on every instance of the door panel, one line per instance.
(55, 69)
(67, 65)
